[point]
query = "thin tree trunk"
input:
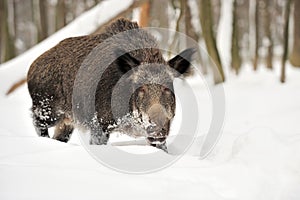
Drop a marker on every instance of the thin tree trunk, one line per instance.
(268, 32)
(189, 28)
(295, 54)
(235, 55)
(15, 21)
(174, 46)
(7, 39)
(43, 8)
(285, 39)
(159, 17)
(1, 28)
(191, 32)
(256, 55)
(216, 13)
(210, 40)
(60, 14)
(145, 14)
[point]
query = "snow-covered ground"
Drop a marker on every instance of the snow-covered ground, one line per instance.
(257, 157)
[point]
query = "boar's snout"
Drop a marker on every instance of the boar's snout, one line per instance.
(159, 120)
(157, 115)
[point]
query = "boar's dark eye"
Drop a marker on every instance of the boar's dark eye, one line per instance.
(141, 92)
(166, 91)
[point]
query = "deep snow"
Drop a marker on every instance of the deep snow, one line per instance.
(257, 156)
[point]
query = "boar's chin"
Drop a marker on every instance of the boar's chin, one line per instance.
(156, 140)
(156, 135)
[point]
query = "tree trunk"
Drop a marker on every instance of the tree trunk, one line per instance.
(205, 13)
(215, 6)
(256, 55)
(60, 14)
(145, 15)
(191, 32)
(285, 39)
(7, 39)
(159, 17)
(295, 54)
(1, 28)
(43, 8)
(268, 9)
(179, 27)
(235, 47)
(189, 28)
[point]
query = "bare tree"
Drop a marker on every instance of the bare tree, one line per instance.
(145, 14)
(285, 37)
(257, 25)
(216, 14)
(235, 47)
(180, 5)
(205, 12)
(189, 27)
(268, 8)
(43, 8)
(1, 28)
(295, 54)
(60, 21)
(7, 38)
(159, 17)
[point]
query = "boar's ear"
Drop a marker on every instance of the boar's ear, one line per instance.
(181, 62)
(125, 61)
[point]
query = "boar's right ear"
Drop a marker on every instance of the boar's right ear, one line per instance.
(125, 61)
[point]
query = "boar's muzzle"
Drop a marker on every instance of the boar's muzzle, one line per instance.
(159, 128)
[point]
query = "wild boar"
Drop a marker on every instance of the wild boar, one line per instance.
(149, 84)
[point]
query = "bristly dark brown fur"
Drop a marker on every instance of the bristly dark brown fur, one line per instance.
(52, 75)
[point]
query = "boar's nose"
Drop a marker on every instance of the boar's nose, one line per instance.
(157, 115)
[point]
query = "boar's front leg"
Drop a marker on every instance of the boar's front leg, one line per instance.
(63, 130)
(99, 136)
(43, 118)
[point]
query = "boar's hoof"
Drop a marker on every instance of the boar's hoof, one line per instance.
(42, 132)
(161, 146)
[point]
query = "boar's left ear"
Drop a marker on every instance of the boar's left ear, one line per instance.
(125, 61)
(182, 61)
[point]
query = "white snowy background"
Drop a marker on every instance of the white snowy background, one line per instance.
(257, 157)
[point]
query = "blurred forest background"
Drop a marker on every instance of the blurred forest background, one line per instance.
(263, 31)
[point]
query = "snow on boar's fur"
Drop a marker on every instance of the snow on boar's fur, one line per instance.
(147, 76)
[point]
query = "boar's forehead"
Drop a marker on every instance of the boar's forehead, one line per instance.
(153, 74)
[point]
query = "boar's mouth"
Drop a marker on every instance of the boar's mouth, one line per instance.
(156, 135)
